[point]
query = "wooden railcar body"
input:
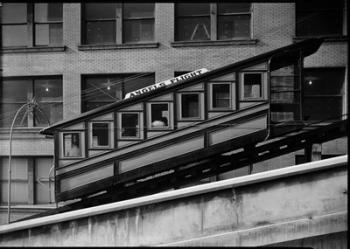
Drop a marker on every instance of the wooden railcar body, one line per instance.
(204, 114)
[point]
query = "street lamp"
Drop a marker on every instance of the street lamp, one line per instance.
(31, 105)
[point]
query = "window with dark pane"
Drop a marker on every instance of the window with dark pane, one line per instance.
(100, 23)
(205, 21)
(323, 93)
(114, 23)
(192, 21)
(14, 24)
(48, 93)
(46, 19)
(130, 125)
(159, 115)
(100, 134)
(233, 20)
(17, 91)
(72, 146)
(99, 90)
(221, 96)
(48, 23)
(319, 18)
(138, 22)
(190, 105)
(252, 85)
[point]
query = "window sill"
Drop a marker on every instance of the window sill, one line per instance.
(213, 43)
(33, 49)
(118, 46)
(326, 38)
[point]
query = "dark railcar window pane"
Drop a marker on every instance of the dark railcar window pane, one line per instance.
(46, 12)
(95, 11)
(14, 13)
(138, 30)
(132, 10)
(190, 106)
(100, 32)
(72, 146)
(233, 27)
(130, 125)
(188, 29)
(227, 8)
(253, 85)
(159, 115)
(100, 134)
(221, 96)
(14, 35)
(190, 9)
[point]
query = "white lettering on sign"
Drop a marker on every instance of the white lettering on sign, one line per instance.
(177, 79)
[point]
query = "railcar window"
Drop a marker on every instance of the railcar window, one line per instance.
(220, 96)
(190, 107)
(252, 86)
(100, 134)
(130, 125)
(72, 145)
(159, 116)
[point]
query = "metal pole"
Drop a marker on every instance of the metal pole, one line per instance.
(32, 102)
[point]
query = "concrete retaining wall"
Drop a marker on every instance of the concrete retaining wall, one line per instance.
(288, 204)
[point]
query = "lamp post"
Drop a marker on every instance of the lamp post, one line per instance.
(30, 105)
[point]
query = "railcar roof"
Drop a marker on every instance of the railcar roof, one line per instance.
(306, 47)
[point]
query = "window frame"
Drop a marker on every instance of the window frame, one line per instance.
(31, 122)
(299, 9)
(31, 29)
(140, 124)
(81, 141)
(211, 96)
(170, 125)
(214, 23)
(262, 90)
(110, 134)
(200, 106)
(119, 26)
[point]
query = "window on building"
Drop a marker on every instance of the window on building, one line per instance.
(100, 134)
(130, 126)
(31, 24)
(220, 96)
(110, 23)
(73, 144)
(205, 21)
(15, 92)
(252, 85)
(99, 90)
(159, 116)
(300, 159)
(30, 181)
(323, 93)
(320, 18)
(190, 106)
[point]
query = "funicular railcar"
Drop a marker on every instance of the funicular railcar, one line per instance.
(179, 121)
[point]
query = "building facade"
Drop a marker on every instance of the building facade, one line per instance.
(74, 57)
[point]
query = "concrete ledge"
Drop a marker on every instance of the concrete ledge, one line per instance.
(177, 194)
(276, 233)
